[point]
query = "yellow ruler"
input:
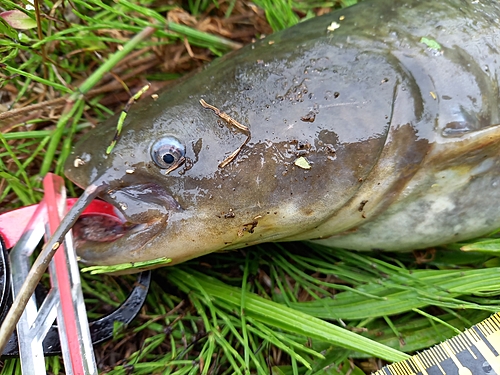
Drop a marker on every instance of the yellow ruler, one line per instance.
(474, 352)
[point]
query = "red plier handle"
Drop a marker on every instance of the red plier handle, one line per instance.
(13, 223)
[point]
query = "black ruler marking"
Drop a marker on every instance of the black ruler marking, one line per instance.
(485, 340)
(473, 352)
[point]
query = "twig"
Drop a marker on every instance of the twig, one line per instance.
(59, 102)
(225, 116)
(230, 121)
(123, 115)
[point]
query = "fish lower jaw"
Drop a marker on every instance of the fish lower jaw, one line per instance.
(119, 236)
(121, 248)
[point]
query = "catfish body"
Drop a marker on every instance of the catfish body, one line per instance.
(373, 127)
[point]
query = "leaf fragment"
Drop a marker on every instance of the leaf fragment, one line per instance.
(302, 162)
(18, 20)
(431, 43)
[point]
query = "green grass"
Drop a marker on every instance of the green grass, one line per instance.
(280, 309)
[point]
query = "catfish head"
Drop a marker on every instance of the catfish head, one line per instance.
(263, 145)
(343, 126)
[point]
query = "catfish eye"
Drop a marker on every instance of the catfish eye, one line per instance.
(168, 153)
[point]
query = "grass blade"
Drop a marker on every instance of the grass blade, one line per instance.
(277, 315)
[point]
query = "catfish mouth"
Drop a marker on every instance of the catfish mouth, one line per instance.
(141, 212)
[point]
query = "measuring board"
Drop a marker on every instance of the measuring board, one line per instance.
(473, 352)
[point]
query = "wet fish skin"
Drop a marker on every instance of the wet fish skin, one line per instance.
(396, 112)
